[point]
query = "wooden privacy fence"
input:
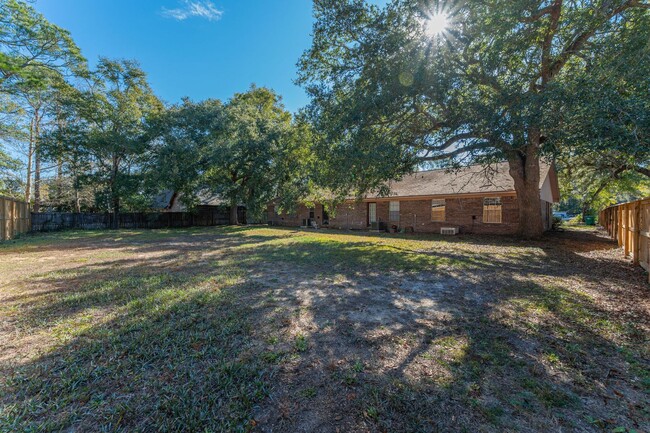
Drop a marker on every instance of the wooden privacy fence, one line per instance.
(629, 225)
(50, 221)
(14, 218)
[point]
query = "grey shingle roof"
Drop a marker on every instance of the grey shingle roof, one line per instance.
(468, 180)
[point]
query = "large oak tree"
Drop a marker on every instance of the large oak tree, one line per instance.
(389, 95)
(247, 151)
(248, 162)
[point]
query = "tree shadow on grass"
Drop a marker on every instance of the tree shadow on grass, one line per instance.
(283, 334)
(172, 359)
(531, 358)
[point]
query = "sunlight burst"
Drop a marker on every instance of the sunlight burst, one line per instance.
(436, 24)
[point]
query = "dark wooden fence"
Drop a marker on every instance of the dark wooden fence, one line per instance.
(213, 216)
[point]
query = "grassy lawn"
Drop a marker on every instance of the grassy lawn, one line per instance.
(260, 329)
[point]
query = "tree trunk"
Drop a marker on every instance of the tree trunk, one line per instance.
(233, 213)
(585, 210)
(77, 201)
(116, 212)
(524, 169)
(115, 199)
(59, 186)
(586, 203)
(30, 154)
(37, 179)
(172, 201)
(37, 163)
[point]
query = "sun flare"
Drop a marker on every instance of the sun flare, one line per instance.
(436, 24)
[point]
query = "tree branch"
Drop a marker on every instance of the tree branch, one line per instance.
(459, 151)
(555, 12)
(643, 170)
(537, 15)
(580, 40)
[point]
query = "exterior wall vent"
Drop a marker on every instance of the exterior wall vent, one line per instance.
(448, 231)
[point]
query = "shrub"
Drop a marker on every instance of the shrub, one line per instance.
(557, 223)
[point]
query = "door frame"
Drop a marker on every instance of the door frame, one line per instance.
(372, 203)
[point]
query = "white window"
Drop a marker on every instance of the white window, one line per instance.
(438, 209)
(492, 210)
(393, 211)
(372, 213)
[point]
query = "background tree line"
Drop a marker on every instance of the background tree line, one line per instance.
(521, 81)
(101, 140)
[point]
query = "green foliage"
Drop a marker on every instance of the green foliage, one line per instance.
(30, 46)
(35, 55)
(106, 127)
(182, 137)
(557, 223)
(10, 113)
(604, 145)
(9, 183)
(609, 111)
(388, 97)
(301, 343)
(586, 187)
(247, 151)
(245, 158)
(72, 189)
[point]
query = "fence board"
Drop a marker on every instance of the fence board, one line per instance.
(14, 218)
(208, 216)
(629, 225)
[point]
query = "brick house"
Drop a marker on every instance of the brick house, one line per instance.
(474, 199)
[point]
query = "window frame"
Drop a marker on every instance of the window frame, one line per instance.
(441, 204)
(492, 207)
(392, 212)
(372, 208)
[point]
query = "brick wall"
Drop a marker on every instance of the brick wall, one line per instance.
(289, 220)
(295, 219)
(350, 216)
(464, 213)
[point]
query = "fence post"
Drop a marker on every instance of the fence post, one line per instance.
(2, 219)
(630, 227)
(619, 225)
(636, 235)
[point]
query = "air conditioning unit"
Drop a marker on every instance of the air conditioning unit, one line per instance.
(448, 230)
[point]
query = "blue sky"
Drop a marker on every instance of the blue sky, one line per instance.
(195, 48)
